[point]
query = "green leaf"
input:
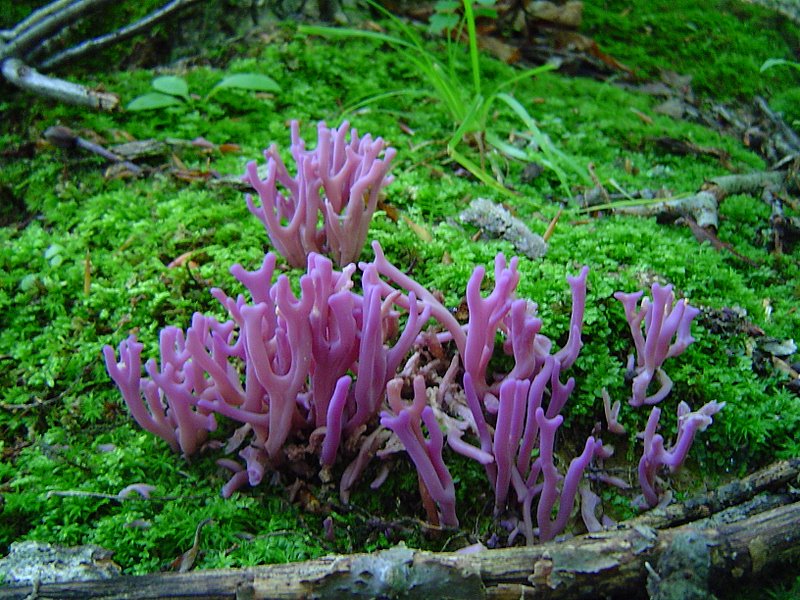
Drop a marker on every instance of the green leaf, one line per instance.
(470, 123)
(472, 35)
(548, 154)
(520, 110)
(446, 6)
(775, 62)
(171, 85)
(152, 101)
(347, 33)
(375, 98)
(528, 73)
(505, 147)
(485, 13)
(253, 82)
(441, 21)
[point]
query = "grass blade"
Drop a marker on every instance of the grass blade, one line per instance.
(340, 33)
(473, 47)
(479, 173)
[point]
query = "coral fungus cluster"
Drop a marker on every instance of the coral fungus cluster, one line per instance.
(326, 372)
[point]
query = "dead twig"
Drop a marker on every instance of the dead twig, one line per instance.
(115, 37)
(26, 48)
(700, 211)
(63, 137)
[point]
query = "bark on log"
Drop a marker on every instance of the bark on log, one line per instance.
(734, 540)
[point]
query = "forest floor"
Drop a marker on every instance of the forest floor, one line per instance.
(649, 100)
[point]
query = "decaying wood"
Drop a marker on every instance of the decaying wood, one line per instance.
(750, 183)
(737, 493)
(735, 533)
(63, 137)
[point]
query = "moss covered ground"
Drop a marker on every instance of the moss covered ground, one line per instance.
(85, 260)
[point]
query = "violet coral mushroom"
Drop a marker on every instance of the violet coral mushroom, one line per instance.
(521, 425)
(406, 421)
(339, 181)
(663, 319)
(655, 455)
(550, 492)
(506, 414)
(169, 409)
(318, 366)
(317, 362)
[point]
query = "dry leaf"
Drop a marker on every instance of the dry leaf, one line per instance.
(421, 232)
(581, 43)
(499, 49)
(391, 211)
(185, 562)
(181, 260)
(569, 14)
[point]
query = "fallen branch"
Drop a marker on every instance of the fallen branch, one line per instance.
(792, 139)
(44, 22)
(29, 79)
(63, 137)
(699, 211)
(22, 46)
(701, 205)
(769, 479)
(115, 37)
(730, 535)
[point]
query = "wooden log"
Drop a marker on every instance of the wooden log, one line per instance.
(608, 564)
(724, 536)
(769, 479)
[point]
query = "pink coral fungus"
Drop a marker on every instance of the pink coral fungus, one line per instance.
(339, 181)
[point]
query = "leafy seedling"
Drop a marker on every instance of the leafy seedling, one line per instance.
(170, 90)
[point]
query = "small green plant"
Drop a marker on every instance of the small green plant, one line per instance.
(446, 16)
(469, 103)
(170, 90)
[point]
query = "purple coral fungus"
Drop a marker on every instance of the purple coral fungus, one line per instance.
(339, 181)
(663, 319)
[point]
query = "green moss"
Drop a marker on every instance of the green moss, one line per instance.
(681, 35)
(787, 102)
